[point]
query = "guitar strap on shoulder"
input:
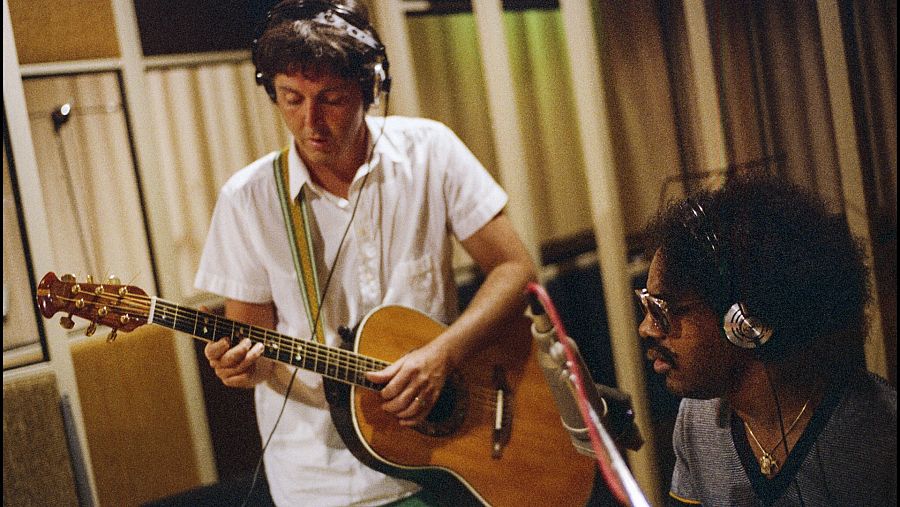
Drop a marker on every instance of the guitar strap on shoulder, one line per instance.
(296, 220)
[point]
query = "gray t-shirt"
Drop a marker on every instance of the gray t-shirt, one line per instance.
(847, 454)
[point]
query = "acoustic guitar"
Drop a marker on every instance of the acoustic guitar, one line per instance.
(494, 436)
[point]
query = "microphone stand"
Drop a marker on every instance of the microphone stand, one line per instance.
(573, 372)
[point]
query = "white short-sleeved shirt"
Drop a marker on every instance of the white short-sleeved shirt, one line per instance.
(423, 186)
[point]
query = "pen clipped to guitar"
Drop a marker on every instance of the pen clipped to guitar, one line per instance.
(493, 437)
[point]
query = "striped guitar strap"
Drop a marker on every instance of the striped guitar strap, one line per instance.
(296, 220)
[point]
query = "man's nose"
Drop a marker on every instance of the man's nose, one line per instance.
(648, 330)
(315, 114)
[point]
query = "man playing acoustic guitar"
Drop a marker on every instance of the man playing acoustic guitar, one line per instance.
(375, 202)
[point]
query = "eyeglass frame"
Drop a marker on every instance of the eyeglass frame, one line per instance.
(663, 321)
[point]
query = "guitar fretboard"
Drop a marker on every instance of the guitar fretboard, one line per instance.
(338, 364)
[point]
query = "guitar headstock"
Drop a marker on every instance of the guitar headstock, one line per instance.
(120, 307)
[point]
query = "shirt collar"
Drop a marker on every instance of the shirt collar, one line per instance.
(385, 151)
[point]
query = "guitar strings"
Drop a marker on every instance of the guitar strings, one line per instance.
(338, 359)
(279, 344)
(275, 342)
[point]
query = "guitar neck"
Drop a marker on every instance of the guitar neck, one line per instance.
(338, 364)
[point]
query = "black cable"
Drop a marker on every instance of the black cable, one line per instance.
(322, 298)
(259, 462)
(787, 451)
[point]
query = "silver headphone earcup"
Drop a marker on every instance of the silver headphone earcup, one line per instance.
(743, 330)
(378, 79)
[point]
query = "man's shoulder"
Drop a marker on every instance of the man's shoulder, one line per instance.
(398, 123)
(407, 129)
(871, 394)
(250, 177)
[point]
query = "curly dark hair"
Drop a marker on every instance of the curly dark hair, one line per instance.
(291, 41)
(794, 264)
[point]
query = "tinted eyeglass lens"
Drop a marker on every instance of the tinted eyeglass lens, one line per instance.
(658, 314)
(653, 306)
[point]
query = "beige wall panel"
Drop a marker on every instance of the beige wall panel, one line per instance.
(61, 30)
(135, 417)
(88, 178)
(452, 87)
(553, 154)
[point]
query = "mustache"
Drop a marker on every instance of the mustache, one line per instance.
(318, 134)
(655, 352)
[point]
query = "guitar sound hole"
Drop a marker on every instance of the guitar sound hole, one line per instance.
(448, 411)
(443, 407)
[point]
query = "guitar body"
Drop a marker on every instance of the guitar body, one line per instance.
(452, 453)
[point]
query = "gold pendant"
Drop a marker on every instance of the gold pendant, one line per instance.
(767, 464)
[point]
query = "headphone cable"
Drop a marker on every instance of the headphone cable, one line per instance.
(324, 292)
(783, 432)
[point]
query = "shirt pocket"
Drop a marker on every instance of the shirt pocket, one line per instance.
(416, 283)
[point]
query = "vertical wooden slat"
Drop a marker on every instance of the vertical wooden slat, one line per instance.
(712, 134)
(165, 259)
(609, 229)
(391, 25)
(505, 119)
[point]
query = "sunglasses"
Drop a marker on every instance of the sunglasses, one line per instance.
(660, 309)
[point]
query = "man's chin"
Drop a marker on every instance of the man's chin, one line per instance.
(674, 387)
(683, 391)
(315, 157)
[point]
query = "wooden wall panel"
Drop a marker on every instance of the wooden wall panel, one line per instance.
(135, 416)
(62, 30)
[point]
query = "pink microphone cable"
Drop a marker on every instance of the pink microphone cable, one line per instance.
(611, 476)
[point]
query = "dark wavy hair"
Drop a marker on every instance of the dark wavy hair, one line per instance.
(794, 264)
(290, 41)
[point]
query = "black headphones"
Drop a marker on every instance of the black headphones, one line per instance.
(338, 16)
(738, 326)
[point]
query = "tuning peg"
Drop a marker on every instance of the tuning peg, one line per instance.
(66, 322)
(68, 278)
(89, 279)
(111, 336)
(91, 329)
(113, 280)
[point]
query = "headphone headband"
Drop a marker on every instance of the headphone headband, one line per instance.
(738, 326)
(330, 18)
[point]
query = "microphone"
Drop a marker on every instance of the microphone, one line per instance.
(612, 405)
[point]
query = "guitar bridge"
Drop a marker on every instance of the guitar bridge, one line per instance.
(502, 414)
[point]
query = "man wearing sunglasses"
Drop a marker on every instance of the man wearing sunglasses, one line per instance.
(754, 312)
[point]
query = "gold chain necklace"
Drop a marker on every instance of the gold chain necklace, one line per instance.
(767, 462)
